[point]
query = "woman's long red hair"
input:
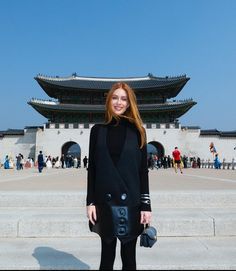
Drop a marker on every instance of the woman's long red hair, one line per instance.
(132, 112)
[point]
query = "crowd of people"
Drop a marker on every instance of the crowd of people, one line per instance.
(70, 161)
(173, 161)
(176, 160)
(45, 161)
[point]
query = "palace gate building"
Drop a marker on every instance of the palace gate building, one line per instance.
(76, 103)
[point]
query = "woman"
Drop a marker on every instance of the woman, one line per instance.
(118, 201)
(217, 163)
(7, 162)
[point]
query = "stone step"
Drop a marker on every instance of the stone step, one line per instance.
(72, 222)
(167, 199)
(80, 253)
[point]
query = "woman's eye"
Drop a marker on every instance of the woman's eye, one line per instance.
(123, 99)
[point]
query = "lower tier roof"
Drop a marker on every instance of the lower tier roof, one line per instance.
(49, 108)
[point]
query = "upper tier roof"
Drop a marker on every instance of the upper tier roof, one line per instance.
(56, 86)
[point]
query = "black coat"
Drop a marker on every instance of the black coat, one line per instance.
(117, 189)
(40, 159)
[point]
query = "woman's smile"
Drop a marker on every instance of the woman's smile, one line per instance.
(119, 101)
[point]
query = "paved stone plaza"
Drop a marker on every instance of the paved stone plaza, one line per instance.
(43, 224)
(75, 179)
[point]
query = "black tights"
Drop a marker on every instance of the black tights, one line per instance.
(127, 253)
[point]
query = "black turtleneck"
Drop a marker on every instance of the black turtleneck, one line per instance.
(115, 141)
(116, 138)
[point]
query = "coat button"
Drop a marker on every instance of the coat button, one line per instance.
(108, 197)
(121, 230)
(122, 221)
(122, 211)
(123, 196)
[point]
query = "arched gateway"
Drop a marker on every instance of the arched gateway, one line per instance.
(156, 148)
(71, 148)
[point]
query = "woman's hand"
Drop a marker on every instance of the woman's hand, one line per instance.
(91, 214)
(145, 217)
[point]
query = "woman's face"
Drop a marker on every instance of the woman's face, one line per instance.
(119, 101)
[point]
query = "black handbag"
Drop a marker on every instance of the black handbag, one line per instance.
(148, 237)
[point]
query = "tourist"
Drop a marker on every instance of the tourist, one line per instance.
(118, 201)
(85, 161)
(213, 149)
(49, 162)
(22, 162)
(40, 161)
(53, 161)
(164, 162)
(75, 162)
(78, 163)
(7, 162)
(155, 161)
(198, 162)
(185, 161)
(194, 162)
(18, 161)
(57, 162)
(150, 161)
(11, 163)
(217, 163)
(169, 161)
(62, 159)
(29, 163)
(177, 160)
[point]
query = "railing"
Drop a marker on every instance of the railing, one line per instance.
(41, 101)
(223, 165)
(76, 125)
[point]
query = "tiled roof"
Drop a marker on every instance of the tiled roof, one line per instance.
(215, 132)
(95, 83)
(190, 127)
(34, 127)
(12, 132)
(100, 108)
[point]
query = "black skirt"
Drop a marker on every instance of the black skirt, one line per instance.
(122, 222)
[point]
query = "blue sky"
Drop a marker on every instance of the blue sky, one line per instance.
(121, 38)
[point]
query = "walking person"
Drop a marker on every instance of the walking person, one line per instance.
(177, 160)
(118, 201)
(217, 163)
(40, 162)
(7, 162)
(150, 161)
(165, 161)
(62, 159)
(85, 161)
(18, 161)
(198, 162)
(22, 161)
(155, 161)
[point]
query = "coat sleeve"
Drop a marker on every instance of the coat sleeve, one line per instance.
(91, 166)
(144, 182)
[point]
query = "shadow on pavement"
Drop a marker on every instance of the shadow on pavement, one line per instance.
(52, 259)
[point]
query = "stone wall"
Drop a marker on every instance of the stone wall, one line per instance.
(51, 140)
(12, 145)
